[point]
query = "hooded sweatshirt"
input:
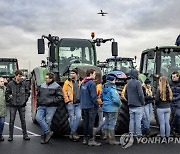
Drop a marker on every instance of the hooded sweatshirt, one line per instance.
(134, 91)
(110, 97)
(88, 94)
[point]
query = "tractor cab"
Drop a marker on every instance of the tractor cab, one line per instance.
(160, 61)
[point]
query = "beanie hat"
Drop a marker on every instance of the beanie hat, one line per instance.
(75, 70)
(147, 81)
(110, 78)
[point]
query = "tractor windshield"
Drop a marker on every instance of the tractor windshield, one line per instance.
(123, 65)
(170, 62)
(7, 68)
(75, 51)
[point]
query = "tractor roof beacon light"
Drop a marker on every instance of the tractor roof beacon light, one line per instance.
(178, 41)
(92, 35)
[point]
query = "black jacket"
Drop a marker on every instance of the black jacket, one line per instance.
(49, 95)
(17, 94)
(134, 91)
(159, 103)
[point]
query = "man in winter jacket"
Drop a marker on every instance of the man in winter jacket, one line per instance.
(49, 96)
(71, 97)
(2, 107)
(17, 94)
(111, 104)
(136, 102)
(175, 104)
(89, 105)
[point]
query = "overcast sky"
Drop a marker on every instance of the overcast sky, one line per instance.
(135, 24)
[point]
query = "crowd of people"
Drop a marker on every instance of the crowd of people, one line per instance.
(89, 98)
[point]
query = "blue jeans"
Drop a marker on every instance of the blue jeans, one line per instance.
(74, 112)
(2, 120)
(146, 116)
(101, 120)
(44, 117)
(164, 116)
(110, 120)
(89, 120)
(136, 114)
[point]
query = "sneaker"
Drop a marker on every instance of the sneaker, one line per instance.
(75, 136)
(92, 142)
(48, 136)
(1, 138)
(26, 137)
(10, 138)
(85, 141)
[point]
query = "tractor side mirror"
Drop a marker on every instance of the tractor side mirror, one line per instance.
(151, 54)
(52, 53)
(114, 49)
(41, 47)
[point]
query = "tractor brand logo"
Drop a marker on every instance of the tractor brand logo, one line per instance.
(126, 140)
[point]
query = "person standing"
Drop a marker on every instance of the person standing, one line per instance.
(2, 107)
(17, 94)
(49, 96)
(175, 104)
(111, 105)
(89, 105)
(136, 102)
(148, 109)
(162, 100)
(71, 91)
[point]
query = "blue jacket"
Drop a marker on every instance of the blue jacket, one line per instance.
(88, 94)
(110, 97)
(134, 91)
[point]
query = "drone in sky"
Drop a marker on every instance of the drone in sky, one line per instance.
(102, 13)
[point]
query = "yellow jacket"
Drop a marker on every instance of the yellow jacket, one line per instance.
(68, 91)
(99, 90)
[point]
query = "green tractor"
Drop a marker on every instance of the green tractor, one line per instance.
(159, 61)
(64, 55)
(8, 66)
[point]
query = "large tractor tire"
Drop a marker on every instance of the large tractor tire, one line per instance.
(60, 123)
(33, 99)
(122, 124)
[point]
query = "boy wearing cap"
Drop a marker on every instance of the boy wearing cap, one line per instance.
(71, 97)
(111, 104)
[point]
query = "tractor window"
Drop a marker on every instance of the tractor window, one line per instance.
(7, 68)
(74, 51)
(126, 66)
(144, 63)
(170, 62)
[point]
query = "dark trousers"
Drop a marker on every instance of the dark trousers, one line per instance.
(2, 120)
(21, 111)
(89, 120)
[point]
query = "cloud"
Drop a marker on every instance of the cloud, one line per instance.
(135, 24)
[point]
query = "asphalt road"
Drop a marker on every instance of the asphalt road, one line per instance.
(63, 145)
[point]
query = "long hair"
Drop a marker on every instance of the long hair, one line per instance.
(148, 89)
(163, 87)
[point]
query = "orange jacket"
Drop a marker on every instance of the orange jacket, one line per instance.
(123, 93)
(68, 91)
(99, 90)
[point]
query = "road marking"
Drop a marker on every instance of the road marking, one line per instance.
(34, 134)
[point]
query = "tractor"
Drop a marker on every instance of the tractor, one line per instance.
(64, 55)
(8, 66)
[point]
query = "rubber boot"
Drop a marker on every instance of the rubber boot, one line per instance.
(112, 140)
(92, 142)
(42, 139)
(106, 131)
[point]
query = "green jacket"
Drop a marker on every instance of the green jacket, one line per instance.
(2, 102)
